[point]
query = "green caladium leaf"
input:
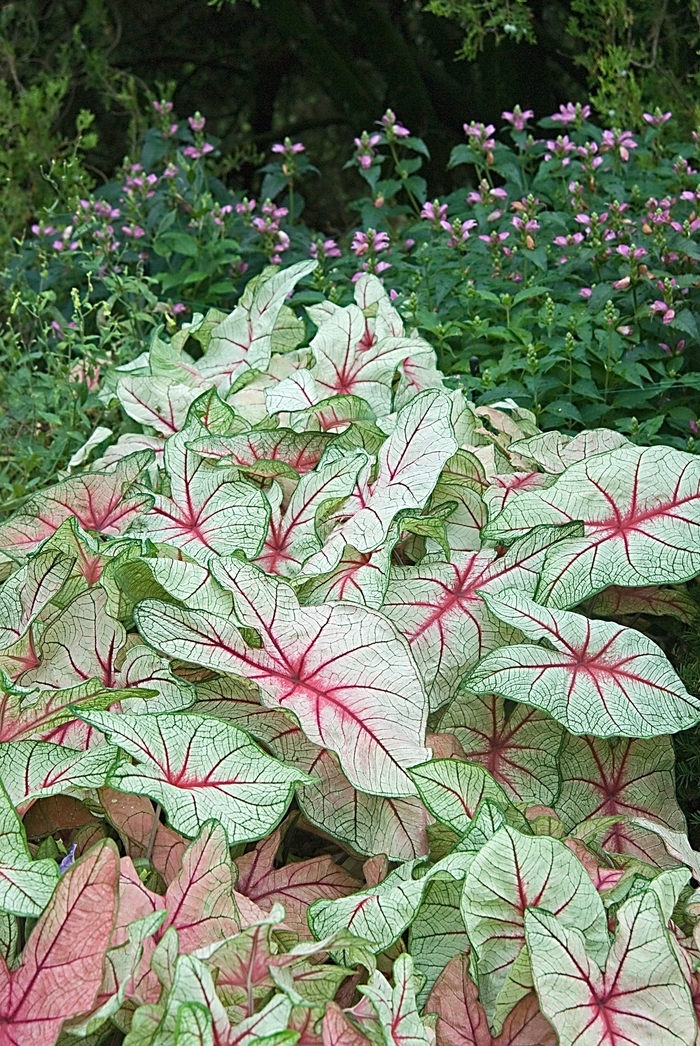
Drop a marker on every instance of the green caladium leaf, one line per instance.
(321, 663)
(174, 580)
(624, 779)
(667, 602)
(452, 790)
(641, 996)
(208, 511)
(520, 750)
(437, 933)
(409, 464)
(25, 885)
(595, 677)
(194, 1025)
(25, 594)
(102, 501)
(292, 536)
(511, 873)
(396, 1008)
(31, 769)
(199, 769)
(437, 607)
(461, 485)
(640, 508)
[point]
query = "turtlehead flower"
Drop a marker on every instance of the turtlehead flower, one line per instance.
(434, 212)
(363, 242)
(665, 313)
(620, 142)
(657, 118)
(197, 122)
(324, 249)
(163, 107)
(288, 148)
(518, 118)
(571, 113)
(392, 127)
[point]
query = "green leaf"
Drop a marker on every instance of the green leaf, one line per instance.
(25, 885)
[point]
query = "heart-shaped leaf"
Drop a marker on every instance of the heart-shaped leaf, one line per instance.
(30, 769)
(134, 817)
(301, 451)
(641, 512)
(396, 1008)
(156, 401)
(669, 602)
(437, 933)
(25, 885)
(198, 770)
(25, 594)
(595, 677)
(554, 451)
(452, 790)
(340, 668)
(625, 779)
(641, 997)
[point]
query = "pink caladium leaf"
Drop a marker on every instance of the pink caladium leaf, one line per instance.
(626, 602)
(35, 713)
(462, 1020)
(409, 464)
(301, 451)
(342, 669)
(157, 401)
(338, 1029)
(134, 816)
(62, 963)
(199, 769)
(25, 594)
(641, 997)
(101, 501)
(31, 769)
(243, 341)
(296, 886)
(396, 1008)
(520, 750)
(437, 607)
(595, 677)
(208, 511)
(640, 507)
(25, 885)
(626, 778)
(554, 451)
(292, 536)
(508, 875)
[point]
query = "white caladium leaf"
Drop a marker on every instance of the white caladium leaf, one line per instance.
(31, 769)
(31, 713)
(511, 873)
(437, 933)
(341, 669)
(503, 489)
(453, 789)
(209, 511)
(640, 507)
(25, 885)
(621, 602)
(237, 701)
(554, 451)
(521, 564)
(436, 606)
(300, 451)
(460, 485)
(396, 1008)
(157, 401)
(131, 443)
(359, 577)
(292, 536)
(295, 393)
(641, 997)
(520, 750)
(369, 824)
(101, 501)
(199, 769)
(243, 341)
(25, 594)
(620, 778)
(596, 677)
(416, 374)
(409, 464)
(181, 580)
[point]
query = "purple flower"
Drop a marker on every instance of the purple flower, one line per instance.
(657, 118)
(134, 230)
(178, 308)
(170, 171)
(435, 211)
(325, 248)
(288, 148)
(196, 122)
(518, 118)
(586, 292)
(693, 426)
(571, 113)
(362, 242)
(480, 135)
(68, 860)
(195, 153)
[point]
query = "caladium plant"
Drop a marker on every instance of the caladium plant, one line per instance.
(220, 660)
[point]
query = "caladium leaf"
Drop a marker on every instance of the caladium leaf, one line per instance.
(554, 451)
(437, 933)
(641, 512)
(409, 464)
(502, 489)
(25, 594)
(416, 374)
(243, 340)
(461, 484)
(62, 963)
(520, 750)
(208, 511)
(359, 577)
(511, 873)
(157, 401)
(338, 1030)
(30, 769)
(101, 501)
(34, 713)
(462, 1020)
(194, 1025)
(436, 606)
(199, 769)
(25, 885)
(642, 996)
(301, 451)
(453, 789)
(596, 677)
(134, 817)
(626, 779)
(296, 886)
(340, 668)
(619, 602)
(292, 536)
(396, 1008)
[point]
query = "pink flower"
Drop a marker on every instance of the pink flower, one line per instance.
(480, 135)
(362, 242)
(170, 171)
(561, 148)
(288, 148)
(393, 294)
(392, 127)
(664, 311)
(657, 118)
(409, 243)
(57, 245)
(246, 207)
(626, 251)
(619, 141)
(365, 149)
(196, 122)
(693, 426)
(435, 211)
(178, 308)
(518, 118)
(193, 153)
(163, 107)
(586, 292)
(325, 249)
(623, 284)
(134, 231)
(571, 113)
